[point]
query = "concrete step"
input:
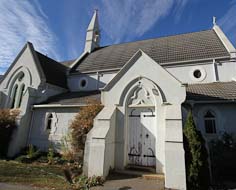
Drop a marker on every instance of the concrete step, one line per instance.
(154, 176)
(141, 168)
(142, 174)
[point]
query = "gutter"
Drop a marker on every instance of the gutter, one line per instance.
(209, 101)
(193, 61)
(95, 71)
(168, 64)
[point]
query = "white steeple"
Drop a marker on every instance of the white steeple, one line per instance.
(93, 34)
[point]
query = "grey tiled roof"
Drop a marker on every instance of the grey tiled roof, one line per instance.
(212, 91)
(183, 47)
(197, 92)
(54, 71)
(74, 98)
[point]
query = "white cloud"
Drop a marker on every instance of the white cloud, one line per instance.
(227, 22)
(127, 18)
(22, 21)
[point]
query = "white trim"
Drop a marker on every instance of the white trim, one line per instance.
(95, 71)
(215, 119)
(141, 106)
(228, 45)
(78, 59)
(189, 62)
(57, 106)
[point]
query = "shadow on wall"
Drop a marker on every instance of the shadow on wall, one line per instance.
(3, 100)
(87, 82)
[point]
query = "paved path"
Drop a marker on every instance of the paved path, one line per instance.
(131, 183)
(115, 182)
(4, 186)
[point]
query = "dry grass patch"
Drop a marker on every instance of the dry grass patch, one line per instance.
(39, 175)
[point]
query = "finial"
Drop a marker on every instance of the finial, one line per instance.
(96, 10)
(214, 20)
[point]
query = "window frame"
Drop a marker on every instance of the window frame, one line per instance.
(83, 79)
(49, 118)
(211, 121)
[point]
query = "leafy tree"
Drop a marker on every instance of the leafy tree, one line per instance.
(196, 157)
(83, 122)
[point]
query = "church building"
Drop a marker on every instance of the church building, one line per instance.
(146, 87)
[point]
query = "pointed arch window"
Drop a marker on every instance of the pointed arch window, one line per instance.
(210, 122)
(14, 94)
(21, 95)
(18, 90)
(49, 122)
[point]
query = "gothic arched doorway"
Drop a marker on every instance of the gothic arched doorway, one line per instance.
(141, 127)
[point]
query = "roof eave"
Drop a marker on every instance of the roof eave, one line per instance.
(210, 101)
(58, 106)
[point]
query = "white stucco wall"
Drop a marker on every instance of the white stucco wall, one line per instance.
(184, 73)
(224, 71)
(94, 81)
(62, 118)
(225, 117)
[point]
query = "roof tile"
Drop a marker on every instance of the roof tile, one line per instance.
(212, 91)
(184, 47)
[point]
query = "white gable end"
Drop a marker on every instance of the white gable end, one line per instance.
(142, 66)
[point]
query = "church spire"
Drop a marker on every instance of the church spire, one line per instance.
(93, 34)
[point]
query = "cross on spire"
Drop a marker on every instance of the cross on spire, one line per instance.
(214, 20)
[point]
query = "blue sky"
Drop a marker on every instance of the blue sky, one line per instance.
(57, 28)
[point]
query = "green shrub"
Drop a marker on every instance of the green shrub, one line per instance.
(29, 154)
(7, 127)
(82, 182)
(23, 159)
(66, 150)
(196, 157)
(50, 155)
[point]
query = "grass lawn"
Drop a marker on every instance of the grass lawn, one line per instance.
(39, 175)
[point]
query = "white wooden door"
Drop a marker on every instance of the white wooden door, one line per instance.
(141, 137)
